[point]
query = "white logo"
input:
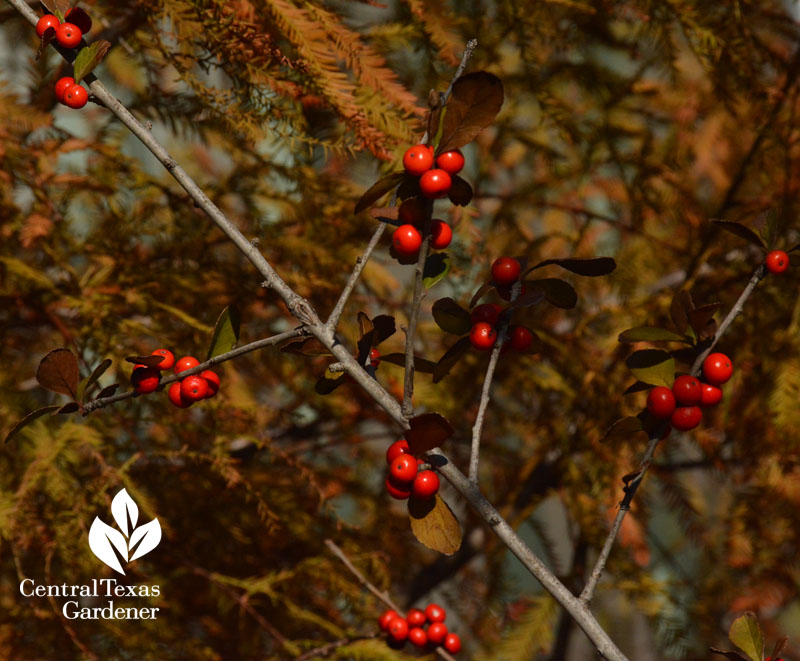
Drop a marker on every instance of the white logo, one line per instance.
(104, 540)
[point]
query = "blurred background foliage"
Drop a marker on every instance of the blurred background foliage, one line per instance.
(627, 126)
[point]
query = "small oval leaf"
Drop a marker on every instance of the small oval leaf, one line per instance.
(437, 266)
(434, 524)
(460, 192)
(451, 317)
(450, 358)
(652, 366)
(593, 267)
(650, 334)
(309, 346)
(96, 374)
(69, 407)
(421, 365)
(58, 371)
(38, 413)
(741, 231)
(558, 292)
(150, 361)
(428, 431)
(226, 332)
(88, 58)
(108, 391)
(474, 103)
(745, 633)
(378, 190)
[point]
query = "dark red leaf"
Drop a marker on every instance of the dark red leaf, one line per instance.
(742, 231)
(593, 267)
(108, 391)
(450, 358)
(558, 292)
(473, 105)
(58, 371)
(378, 190)
(150, 361)
(699, 318)
(309, 346)
(460, 192)
(428, 431)
(679, 310)
(38, 413)
(69, 407)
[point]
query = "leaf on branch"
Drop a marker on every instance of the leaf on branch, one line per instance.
(309, 346)
(478, 295)
(386, 214)
(780, 645)
(595, 266)
(623, 429)
(700, 319)
(38, 413)
(428, 431)
(57, 7)
(364, 324)
(378, 190)
(650, 334)
(150, 361)
(384, 327)
(745, 633)
(434, 524)
(421, 365)
(528, 298)
(226, 332)
(742, 231)
(679, 310)
(768, 225)
(731, 655)
(89, 57)
(638, 386)
(450, 358)
(474, 103)
(558, 292)
(58, 371)
(108, 391)
(437, 266)
(69, 407)
(326, 385)
(652, 366)
(460, 192)
(451, 317)
(98, 371)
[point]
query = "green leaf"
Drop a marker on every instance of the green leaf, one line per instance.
(58, 371)
(86, 384)
(745, 633)
(558, 292)
(474, 103)
(88, 58)
(650, 334)
(652, 366)
(593, 267)
(437, 266)
(451, 317)
(739, 230)
(421, 365)
(450, 358)
(378, 190)
(38, 413)
(428, 431)
(226, 332)
(434, 524)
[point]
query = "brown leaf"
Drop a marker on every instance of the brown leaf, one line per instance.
(699, 318)
(58, 371)
(434, 524)
(450, 358)
(742, 231)
(421, 365)
(384, 327)
(428, 431)
(69, 407)
(378, 190)
(622, 430)
(731, 655)
(309, 346)
(451, 317)
(473, 105)
(385, 213)
(679, 310)
(30, 418)
(593, 267)
(558, 292)
(364, 324)
(150, 361)
(478, 295)
(107, 391)
(460, 192)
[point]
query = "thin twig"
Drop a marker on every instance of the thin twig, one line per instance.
(633, 485)
(469, 49)
(325, 650)
(95, 404)
(385, 598)
(477, 428)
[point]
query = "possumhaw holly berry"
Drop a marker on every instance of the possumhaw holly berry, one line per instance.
(415, 617)
(68, 35)
(435, 613)
(450, 161)
(717, 368)
(403, 469)
(777, 261)
(47, 21)
(406, 240)
(426, 485)
(505, 271)
(213, 381)
(418, 160)
(686, 417)
(437, 632)
(482, 336)
(75, 96)
(385, 619)
(397, 491)
(167, 359)
(145, 379)
(441, 234)
(62, 85)
(520, 338)
(396, 449)
(435, 183)
(452, 643)
(194, 388)
(185, 363)
(374, 357)
(176, 397)
(687, 390)
(398, 629)
(711, 395)
(417, 637)
(661, 402)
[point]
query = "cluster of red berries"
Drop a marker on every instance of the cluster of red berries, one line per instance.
(68, 34)
(183, 393)
(777, 261)
(691, 394)
(484, 317)
(434, 183)
(399, 629)
(405, 478)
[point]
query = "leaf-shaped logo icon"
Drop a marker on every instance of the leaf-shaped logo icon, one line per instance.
(123, 507)
(105, 540)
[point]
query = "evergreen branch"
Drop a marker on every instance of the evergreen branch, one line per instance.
(655, 437)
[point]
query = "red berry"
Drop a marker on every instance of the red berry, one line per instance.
(403, 469)
(167, 359)
(505, 271)
(412, 211)
(396, 449)
(68, 35)
(717, 368)
(441, 234)
(661, 402)
(386, 618)
(452, 643)
(686, 417)
(212, 378)
(488, 312)
(435, 613)
(418, 637)
(425, 485)
(374, 357)
(418, 160)
(435, 183)
(777, 261)
(185, 363)
(398, 629)
(415, 617)
(75, 96)
(145, 379)
(450, 161)
(194, 388)
(397, 491)
(521, 338)
(711, 395)
(687, 390)
(79, 18)
(176, 396)
(406, 240)
(62, 85)
(482, 336)
(47, 21)
(437, 632)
